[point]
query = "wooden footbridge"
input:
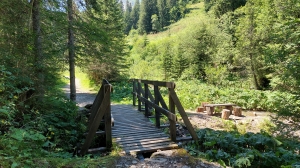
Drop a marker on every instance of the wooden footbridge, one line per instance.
(132, 130)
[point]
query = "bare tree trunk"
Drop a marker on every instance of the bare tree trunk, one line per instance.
(71, 51)
(38, 55)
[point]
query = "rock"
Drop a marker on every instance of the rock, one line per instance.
(185, 166)
(158, 160)
(88, 106)
(162, 153)
(134, 162)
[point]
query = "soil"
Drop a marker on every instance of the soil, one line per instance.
(178, 157)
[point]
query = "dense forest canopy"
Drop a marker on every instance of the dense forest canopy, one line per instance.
(241, 51)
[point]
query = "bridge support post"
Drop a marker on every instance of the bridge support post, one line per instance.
(139, 94)
(147, 113)
(134, 91)
(107, 118)
(172, 123)
(157, 112)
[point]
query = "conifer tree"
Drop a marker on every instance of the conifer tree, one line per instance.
(135, 13)
(148, 8)
(127, 17)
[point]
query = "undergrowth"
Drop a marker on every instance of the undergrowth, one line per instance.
(245, 150)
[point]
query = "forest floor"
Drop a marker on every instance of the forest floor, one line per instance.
(250, 122)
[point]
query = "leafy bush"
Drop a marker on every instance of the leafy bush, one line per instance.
(247, 150)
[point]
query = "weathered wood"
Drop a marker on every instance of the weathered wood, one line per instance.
(96, 122)
(172, 127)
(183, 114)
(133, 93)
(200, 109)
(163, 111)
(162, 102)
(225, 114)
(210, 110)
(139, 97)
(159, 83)
(95, 106)
(181, 139)
(157, 112)
(147, 113)
(107, 118)
(237, 111)
(214, 105)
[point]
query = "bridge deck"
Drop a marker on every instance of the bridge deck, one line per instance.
(135, 133)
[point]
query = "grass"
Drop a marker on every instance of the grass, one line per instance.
(195, 16)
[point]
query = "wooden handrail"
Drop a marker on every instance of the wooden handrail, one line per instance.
(101, 108)
(143, 96)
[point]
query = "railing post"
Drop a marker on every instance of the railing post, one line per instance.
(157, 112)
(139, 94)
(172, 123)
(133, 92)
(146, 97)
(107, 117)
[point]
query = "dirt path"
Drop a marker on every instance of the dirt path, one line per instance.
(83, 96)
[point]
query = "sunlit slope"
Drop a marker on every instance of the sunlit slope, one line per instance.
(196, 16)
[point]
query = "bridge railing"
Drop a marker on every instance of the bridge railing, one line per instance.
(101, 108)
(142, 94)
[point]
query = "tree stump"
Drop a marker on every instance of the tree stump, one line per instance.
(200, 109)
(225, 114)
(237, 111)
(210, 110)
(229, 108)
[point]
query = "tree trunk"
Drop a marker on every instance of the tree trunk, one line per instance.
(38, 56)
(71, 51)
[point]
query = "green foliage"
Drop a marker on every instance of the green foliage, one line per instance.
(248, 150)
(122, 92)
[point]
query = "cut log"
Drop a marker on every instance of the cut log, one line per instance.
(200, 109)
(237, 111)
(210, 110)
(225, 114)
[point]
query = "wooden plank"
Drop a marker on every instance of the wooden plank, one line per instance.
(136, 132)
(95, 123)
(213, 105)
(133, 93)
(160, 135)
(163, 111)
(144, 140)
(146, 145)
(159, 83)
(96, 104)
(162, 101)
(139, 96)
(183, 114)
(135, 143)
(151, 149)
(139, 145)
(172, 123)
(147, 113)
(157, 112)
(107, 117)
(136, 135)
(180, 139)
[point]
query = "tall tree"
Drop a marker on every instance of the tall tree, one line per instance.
(135, 14)
(127, 17)
(38, 55)
(71, 48)
(163, 13)
(148, 8)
